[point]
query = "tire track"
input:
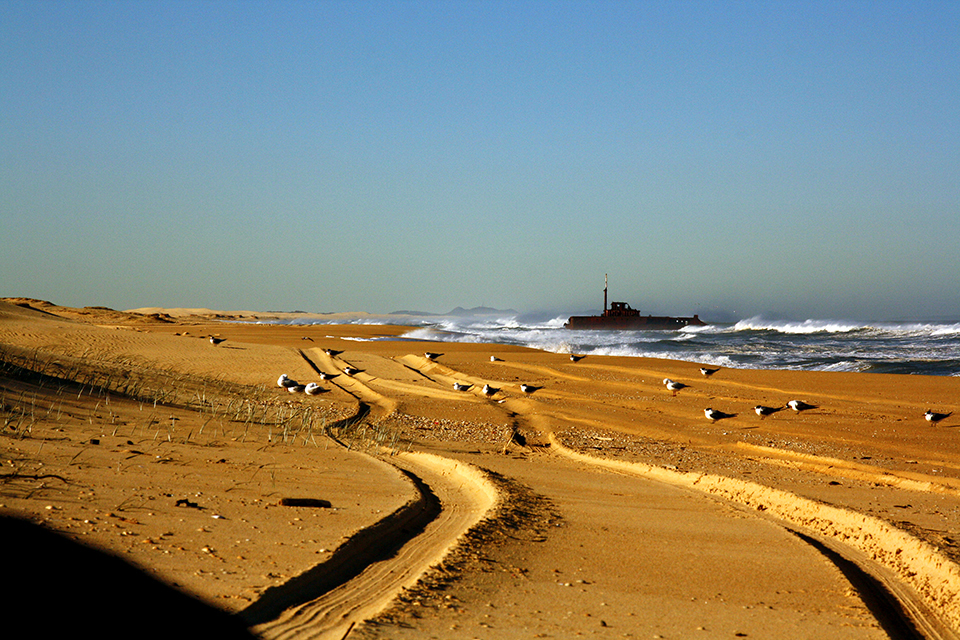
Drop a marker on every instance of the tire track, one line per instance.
(366, 573)
(884, 562)
(892, 557)
(461, 497)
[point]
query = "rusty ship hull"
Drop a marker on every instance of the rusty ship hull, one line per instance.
(633, 323)
(621, 317)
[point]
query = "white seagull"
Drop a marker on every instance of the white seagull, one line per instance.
(285, 382)
(216, 341)
(333, 353)
(351, 371)
(674, 386)
(763, 411)
(429, 355)
(488, 390)
(575, 358)
(495, 359)
(800, 405)
(708, 372)
(714, 415)
(328, 376)
(313, 389)
(529, 388)
(297, 388)
(460, 386)
(934, 418)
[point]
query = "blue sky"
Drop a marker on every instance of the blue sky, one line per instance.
(790, 159)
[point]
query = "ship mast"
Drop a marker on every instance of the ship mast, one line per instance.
(604, 294)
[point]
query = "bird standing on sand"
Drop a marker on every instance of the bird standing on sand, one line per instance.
(460, 386)
(495, 359)
(708, 372)
(351, 371)
(673, 385)
(574, 358)
(713, 415)
(313, 389)
(297, 388)
(763, 411)
(529, 388)
(488, 390)
(800, 405)
(333, 353)
(215, 341)
(933, 417)
(328, 376)
(285, 382)
(429, 355)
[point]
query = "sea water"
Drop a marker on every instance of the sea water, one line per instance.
(815, 345)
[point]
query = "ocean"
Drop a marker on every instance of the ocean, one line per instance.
(816, 345)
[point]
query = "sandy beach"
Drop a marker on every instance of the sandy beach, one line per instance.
(391, 505)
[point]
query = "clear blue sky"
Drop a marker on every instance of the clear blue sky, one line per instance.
(793, 159)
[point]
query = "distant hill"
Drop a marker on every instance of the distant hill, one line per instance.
(481, 311)
(459, 311)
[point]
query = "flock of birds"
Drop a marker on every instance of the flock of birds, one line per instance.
(312, 388)
(798, 406)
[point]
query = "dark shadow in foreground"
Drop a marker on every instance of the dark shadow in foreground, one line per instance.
(62, 589)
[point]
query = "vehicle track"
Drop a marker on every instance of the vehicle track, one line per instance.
(881, 561)
(885, 562)
(369, 571)
(456, 495)
(922, 580)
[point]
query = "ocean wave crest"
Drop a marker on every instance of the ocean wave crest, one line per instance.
(789, 326)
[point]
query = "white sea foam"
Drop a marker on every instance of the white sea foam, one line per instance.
(787, 326)
(756, 343)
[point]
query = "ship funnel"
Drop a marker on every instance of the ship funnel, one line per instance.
(604, 293)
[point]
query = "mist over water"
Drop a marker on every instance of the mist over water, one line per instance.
(753, 343)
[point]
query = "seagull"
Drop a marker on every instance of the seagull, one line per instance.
(285, 382)
(800, 405)
(328, 376)
(763, 411)
(333, 353)
(714, 415)
(529, 388)
(313, 389)
(216, 341)
(574, 358)
(307, 338)
(488, 390)
(297, 388)
(460, 386)
(429, 355)
(495, 359)
(350, 371)
(934, 418)
(674, 386)
(708, 372)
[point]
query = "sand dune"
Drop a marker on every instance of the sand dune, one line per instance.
(623, 511)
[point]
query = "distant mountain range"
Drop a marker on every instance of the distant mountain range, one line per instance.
(460, 311)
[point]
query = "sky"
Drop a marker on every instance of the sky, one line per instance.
(733, 159)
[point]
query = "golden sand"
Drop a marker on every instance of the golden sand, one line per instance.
(601, 504)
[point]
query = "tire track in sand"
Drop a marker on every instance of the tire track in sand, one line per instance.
(366, 574)
(464, 497)
(918, 575)
(888, 565)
